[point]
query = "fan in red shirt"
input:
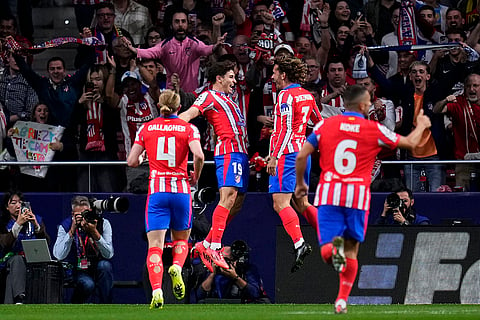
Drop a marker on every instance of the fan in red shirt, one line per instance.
(167, 140)
(348, 145)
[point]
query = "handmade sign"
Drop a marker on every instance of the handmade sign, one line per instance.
(31, 142)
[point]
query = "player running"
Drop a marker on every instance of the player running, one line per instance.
(293, 109)
(348, 144)
(167, 140)
(230, 156)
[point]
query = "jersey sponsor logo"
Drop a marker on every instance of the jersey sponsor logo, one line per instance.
(166, 127)
(201, 98)
(140, 119)
(284, 107)
(303, 97)
(387, 133)
(349, 127)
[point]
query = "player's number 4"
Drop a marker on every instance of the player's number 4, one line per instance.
(345, 161)
(170, 154)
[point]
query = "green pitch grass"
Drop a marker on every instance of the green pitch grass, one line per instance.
(235, 311)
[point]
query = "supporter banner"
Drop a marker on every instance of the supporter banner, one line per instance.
(31, 142)
(415, 47)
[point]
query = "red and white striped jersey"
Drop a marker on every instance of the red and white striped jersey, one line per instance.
(294, 107)
(348, 145)
(227, 120)
(167, 143)
(335, 102)
(133, 115)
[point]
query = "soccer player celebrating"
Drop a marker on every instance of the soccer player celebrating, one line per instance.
(293, 109)
(230, 155)
(167, 140)
(348, 144)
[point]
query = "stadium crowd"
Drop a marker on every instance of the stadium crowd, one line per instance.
(154, 45)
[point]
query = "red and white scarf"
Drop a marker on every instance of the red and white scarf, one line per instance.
(95, 138)
(406, 31)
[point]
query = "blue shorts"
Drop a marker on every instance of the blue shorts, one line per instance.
(285, 180)
(340, 221)
(167, 210)
(233, 171)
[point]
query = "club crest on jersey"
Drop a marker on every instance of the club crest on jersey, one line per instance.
(284, 107)
(143, 105)
(328, 176)
(237, 178)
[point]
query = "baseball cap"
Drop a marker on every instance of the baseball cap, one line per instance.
(131, 74)
(283, 46)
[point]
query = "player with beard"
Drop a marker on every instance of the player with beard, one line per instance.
(293, 108)
(179, 54)
(464, 111)
(231, 160)
(348, 144)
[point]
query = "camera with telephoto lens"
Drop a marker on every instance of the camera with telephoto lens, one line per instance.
(240, 254)
(111, 205)
(203, 196)
(394, 202)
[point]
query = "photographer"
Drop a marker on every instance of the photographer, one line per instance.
(398, 210)
(85, 241)
(18, 223)
(240, 281)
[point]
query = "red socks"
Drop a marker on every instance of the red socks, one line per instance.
(179, 252)
(219, 220)
(155, 267)
(326, 252)
(208, 238)
(347, 278)
(311, 215)
(291, 223)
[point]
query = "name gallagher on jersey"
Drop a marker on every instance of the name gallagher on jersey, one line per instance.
(166, 127)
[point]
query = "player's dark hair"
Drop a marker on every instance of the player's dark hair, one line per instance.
(295, 69)
(351, 96)
(219, 69)
(168, 102)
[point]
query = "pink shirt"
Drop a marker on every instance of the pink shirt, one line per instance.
(182, 57)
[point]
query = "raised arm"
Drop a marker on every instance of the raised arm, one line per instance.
(441, 106)
(190, 114)
(110, 93)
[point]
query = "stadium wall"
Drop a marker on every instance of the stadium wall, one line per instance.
(260, 227)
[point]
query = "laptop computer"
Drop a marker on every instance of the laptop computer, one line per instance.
(36, 251)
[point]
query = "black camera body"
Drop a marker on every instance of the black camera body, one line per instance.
(394, 202)
(98, 207)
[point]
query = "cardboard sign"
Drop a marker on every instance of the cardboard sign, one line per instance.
(31, 142)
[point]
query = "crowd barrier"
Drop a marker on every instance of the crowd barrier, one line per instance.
(257, 224)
